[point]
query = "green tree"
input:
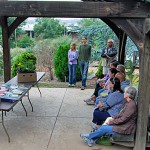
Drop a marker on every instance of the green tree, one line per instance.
(25, 62)
(18, 31)
(48, 28)
(25, 41)
(84, 23)
(99, 73)
(14, 36)
(61, 63)
(97, 35)
(0, 36)
(44, 51)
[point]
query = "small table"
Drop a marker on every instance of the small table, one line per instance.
(6, 106)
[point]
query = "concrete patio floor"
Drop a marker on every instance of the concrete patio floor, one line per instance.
(59, 117)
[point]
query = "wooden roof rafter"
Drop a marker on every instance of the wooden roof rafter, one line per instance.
(15, 24)
(112, 0)
(75, 9)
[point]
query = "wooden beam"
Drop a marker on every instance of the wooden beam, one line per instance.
(147, 26)
(122, 45)
(143, 98)
(131, 30)
(6, 49)
(113, 26)
(113, 0)
(75, 9)
(138, 23)
(15, 24)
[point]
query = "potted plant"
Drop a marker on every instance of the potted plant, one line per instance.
(24, 66)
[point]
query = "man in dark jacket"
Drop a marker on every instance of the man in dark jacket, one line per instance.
(108, 54)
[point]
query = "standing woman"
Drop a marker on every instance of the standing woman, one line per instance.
(72, 64)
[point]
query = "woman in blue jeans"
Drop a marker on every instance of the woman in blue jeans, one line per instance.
(111, 105)
(72, 64)
(123, 123)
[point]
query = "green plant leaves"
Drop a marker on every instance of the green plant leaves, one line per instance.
(61, 63)
(25, 62)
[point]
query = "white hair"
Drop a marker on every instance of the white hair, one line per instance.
(131, 92)
(111, 40)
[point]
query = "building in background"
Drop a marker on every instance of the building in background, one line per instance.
(28, 28)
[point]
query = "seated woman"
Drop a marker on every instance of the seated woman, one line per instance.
(123, 123)
(111, 104)
(99, 82)
(112, 73)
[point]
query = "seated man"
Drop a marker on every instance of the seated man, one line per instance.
(123, 123)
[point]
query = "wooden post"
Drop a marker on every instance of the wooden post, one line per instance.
(144, 96)
(122, 45)
(6, 49)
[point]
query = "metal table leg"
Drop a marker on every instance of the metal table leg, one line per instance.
(39, 90)
(24, 108)
(30, 101)
(5, 127)
(5, 113)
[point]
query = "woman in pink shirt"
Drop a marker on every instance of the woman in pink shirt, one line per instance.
(72, 64)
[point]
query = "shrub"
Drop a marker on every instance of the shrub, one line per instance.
(99, 73)
(44, 51)
(61, 63)
(25, 62)
(25, 41)
(134, 79)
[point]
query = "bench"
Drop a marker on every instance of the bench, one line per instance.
(127, 140)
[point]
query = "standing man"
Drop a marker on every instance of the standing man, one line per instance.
(84, 58)
(108, 54)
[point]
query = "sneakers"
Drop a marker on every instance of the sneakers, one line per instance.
(84, 135)
(87, 100)
(71, 85)
(91, 102)
(82, 87)
(95, 126)
(86, 139)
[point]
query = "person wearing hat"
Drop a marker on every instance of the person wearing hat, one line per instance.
(108, 54)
